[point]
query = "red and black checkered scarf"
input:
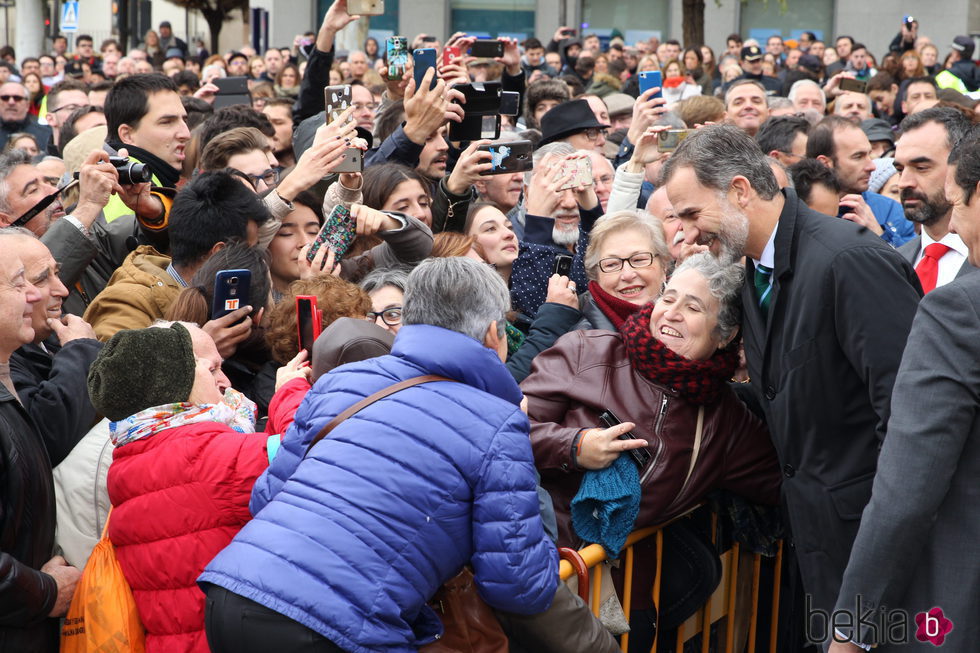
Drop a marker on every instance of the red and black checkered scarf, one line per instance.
(697, 381)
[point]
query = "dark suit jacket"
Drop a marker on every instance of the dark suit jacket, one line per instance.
(918, 543)
(823, 369)
(911, 249)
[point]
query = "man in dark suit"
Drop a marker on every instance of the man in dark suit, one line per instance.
(920, 158)
(827, 310)
(916, 549)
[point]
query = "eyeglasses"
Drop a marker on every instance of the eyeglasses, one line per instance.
(636, 261)
(270, 177)
(12, 98)
(69, 107)
(390, 316)
(593, 133)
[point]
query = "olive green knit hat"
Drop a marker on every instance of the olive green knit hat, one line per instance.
(141, 368)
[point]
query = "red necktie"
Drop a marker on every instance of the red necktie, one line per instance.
(928, 267)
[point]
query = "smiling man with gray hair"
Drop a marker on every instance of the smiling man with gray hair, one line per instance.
(822, 340)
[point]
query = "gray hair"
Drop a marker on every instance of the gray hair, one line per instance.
(718, 154)
(379, 278)
(8, 162)
(725, 285)
(18, 231)
(743, 82)
(458, 294)
(776, 163)
(776, 102)
(645, 223)
(794, 90)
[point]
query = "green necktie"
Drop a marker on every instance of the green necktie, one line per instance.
(763, 287)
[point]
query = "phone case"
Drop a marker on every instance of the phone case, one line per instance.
(650, 79)
(853, 85)
(669, 140)
(581, 171)
(231, 91)
(308, 321)
(509, 156)
(397, 55)
(336, 100)
(450, 54)
(487, 48)
(365, 7)
(338, 232)
(425, 58)
(231, 292)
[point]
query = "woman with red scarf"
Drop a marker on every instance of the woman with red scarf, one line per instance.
(626, 263)
(664, 372)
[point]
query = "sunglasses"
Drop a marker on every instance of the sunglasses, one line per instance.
(12, 98)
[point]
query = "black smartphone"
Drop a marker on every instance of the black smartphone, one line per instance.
(509, 156)
(563, 265)
(231, 291)
(487, 49)
(424, 58)
(510, 103)
(231, 91)
(307, 322)
(640, 456)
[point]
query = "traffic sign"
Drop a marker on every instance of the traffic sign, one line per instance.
(69, 16)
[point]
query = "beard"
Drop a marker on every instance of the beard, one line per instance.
(733, 234)
(930, 209)
(565, 236)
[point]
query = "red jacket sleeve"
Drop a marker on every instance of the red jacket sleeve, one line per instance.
(284, 404)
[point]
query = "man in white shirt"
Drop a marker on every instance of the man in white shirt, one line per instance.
(920, 158)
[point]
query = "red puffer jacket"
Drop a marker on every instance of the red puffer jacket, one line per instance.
(179, 497)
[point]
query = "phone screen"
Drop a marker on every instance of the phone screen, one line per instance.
(304, 321)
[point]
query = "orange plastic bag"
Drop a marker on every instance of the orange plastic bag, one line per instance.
(103, 617)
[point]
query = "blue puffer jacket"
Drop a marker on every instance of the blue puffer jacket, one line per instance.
(352, 540)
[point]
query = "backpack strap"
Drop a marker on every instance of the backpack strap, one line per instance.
(367, 401)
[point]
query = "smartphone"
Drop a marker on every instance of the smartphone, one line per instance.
(669, 140)
(231, 91)
(424, 58)
(510, 103)
(307, 322)
(650, 79)
(563, 265)
(581, 171)
(450, 55)
(365, 7)
(487, 49)
(853, 85)
(640, 456)
(231, 292)
(508, 157)
(336, 100)
(338, 232)
(353, 161)
(396, 50)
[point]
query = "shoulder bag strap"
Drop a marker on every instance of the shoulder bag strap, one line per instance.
(367, 401)
(698, 433)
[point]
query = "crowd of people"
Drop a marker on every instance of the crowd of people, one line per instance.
(728, 303)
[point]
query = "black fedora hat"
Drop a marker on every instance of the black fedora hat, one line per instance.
(566, 119)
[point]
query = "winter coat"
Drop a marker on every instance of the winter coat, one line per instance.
(587, 372)
(139, 292)
(26, 534)
(179, 496)
(352, 540)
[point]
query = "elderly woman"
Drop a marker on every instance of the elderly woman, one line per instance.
(386, 288)
(185, 461)
(626, 263)
(665, 375)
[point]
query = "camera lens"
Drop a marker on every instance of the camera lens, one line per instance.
(233, 281)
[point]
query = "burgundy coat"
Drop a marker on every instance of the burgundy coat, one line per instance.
(587, 372)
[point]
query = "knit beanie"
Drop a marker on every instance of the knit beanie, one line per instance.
(607, 504)
(141, 368)
(884, 170)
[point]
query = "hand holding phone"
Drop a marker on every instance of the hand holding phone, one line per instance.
(640, 456)
(424, 59)
(231, 292)
(338, 233)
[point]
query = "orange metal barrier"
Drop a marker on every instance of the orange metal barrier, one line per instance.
(740, 630)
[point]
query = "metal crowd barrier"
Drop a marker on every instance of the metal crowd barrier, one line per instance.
(721, 605)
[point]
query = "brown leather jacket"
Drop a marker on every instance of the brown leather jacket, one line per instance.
(587, 372)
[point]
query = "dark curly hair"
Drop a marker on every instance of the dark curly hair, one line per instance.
(335, 298)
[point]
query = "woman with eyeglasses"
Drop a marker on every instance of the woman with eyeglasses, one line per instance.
(386, 288)
(626, 263)
(664, 372)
